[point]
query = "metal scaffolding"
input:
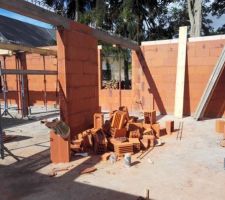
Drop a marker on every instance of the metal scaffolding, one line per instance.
(21, 73)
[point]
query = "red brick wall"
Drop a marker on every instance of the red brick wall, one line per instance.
(78, 76)
(36, 85)
(154, 78)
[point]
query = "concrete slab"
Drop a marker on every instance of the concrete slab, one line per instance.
(190, 168)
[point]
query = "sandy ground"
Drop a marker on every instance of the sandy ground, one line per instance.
(190, 168)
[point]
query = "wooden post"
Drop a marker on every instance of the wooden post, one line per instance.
(180, 80)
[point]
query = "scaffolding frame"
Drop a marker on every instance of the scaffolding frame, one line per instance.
(21, 72)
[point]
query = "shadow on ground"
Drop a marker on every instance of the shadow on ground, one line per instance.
(22, 181)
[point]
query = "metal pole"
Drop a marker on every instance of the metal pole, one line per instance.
(45, 92)
(1, 137)
(4, 90)
(120, 100)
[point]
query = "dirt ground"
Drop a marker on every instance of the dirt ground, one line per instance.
(190, 168)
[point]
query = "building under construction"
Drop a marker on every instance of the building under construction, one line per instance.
(65, 135)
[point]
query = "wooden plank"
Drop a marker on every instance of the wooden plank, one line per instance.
(115, 39)
(30, 10)
(38, 13)
(16, 47)
(180, 77)
(211, 85)
(28, 72)
(5, 52)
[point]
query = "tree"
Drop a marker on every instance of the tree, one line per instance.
(195, 16)
(218, 7)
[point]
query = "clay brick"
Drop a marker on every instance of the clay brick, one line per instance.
(150, 139)
(169, 127)
(156, 129)
(220, 124)
(150, 117)
(119, 119)
(123, 148)
(136, 144)
(117, 133)
(59, 149)
(98, 120)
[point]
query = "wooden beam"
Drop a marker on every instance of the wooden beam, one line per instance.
(180, 77)
(211, 85)
(15, 47)
(115, 40)
(38, 13)
(30, 10)
(27, 72)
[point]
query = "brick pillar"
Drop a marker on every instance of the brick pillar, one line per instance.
(78, 76)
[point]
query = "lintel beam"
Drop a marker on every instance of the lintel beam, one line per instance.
(114, 39)
(27, 72)
(30, 10)
(15, 47)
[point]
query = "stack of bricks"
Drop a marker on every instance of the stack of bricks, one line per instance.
(122, 148)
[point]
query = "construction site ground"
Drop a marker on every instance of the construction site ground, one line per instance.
(188, 168)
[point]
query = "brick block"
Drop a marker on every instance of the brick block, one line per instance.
(123, 148)
(136, 144)
(169, 127)
(156, 129)
(117, 133)
(220, 124)
(98, 120)
(59, 148)
(119, 119)
(150, 117)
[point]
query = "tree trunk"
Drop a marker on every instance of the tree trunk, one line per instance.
(195, 16)
(126, 73)
(77, 11)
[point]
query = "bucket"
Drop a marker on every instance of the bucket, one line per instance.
(127, 159)
(113, 158)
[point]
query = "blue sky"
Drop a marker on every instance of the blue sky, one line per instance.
(23, 18)
(216, 22)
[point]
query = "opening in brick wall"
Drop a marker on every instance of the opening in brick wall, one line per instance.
(116, 69)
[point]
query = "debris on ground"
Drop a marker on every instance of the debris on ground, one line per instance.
(55, 171)
(88, 170)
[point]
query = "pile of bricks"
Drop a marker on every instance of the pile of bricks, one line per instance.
(121, 133)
